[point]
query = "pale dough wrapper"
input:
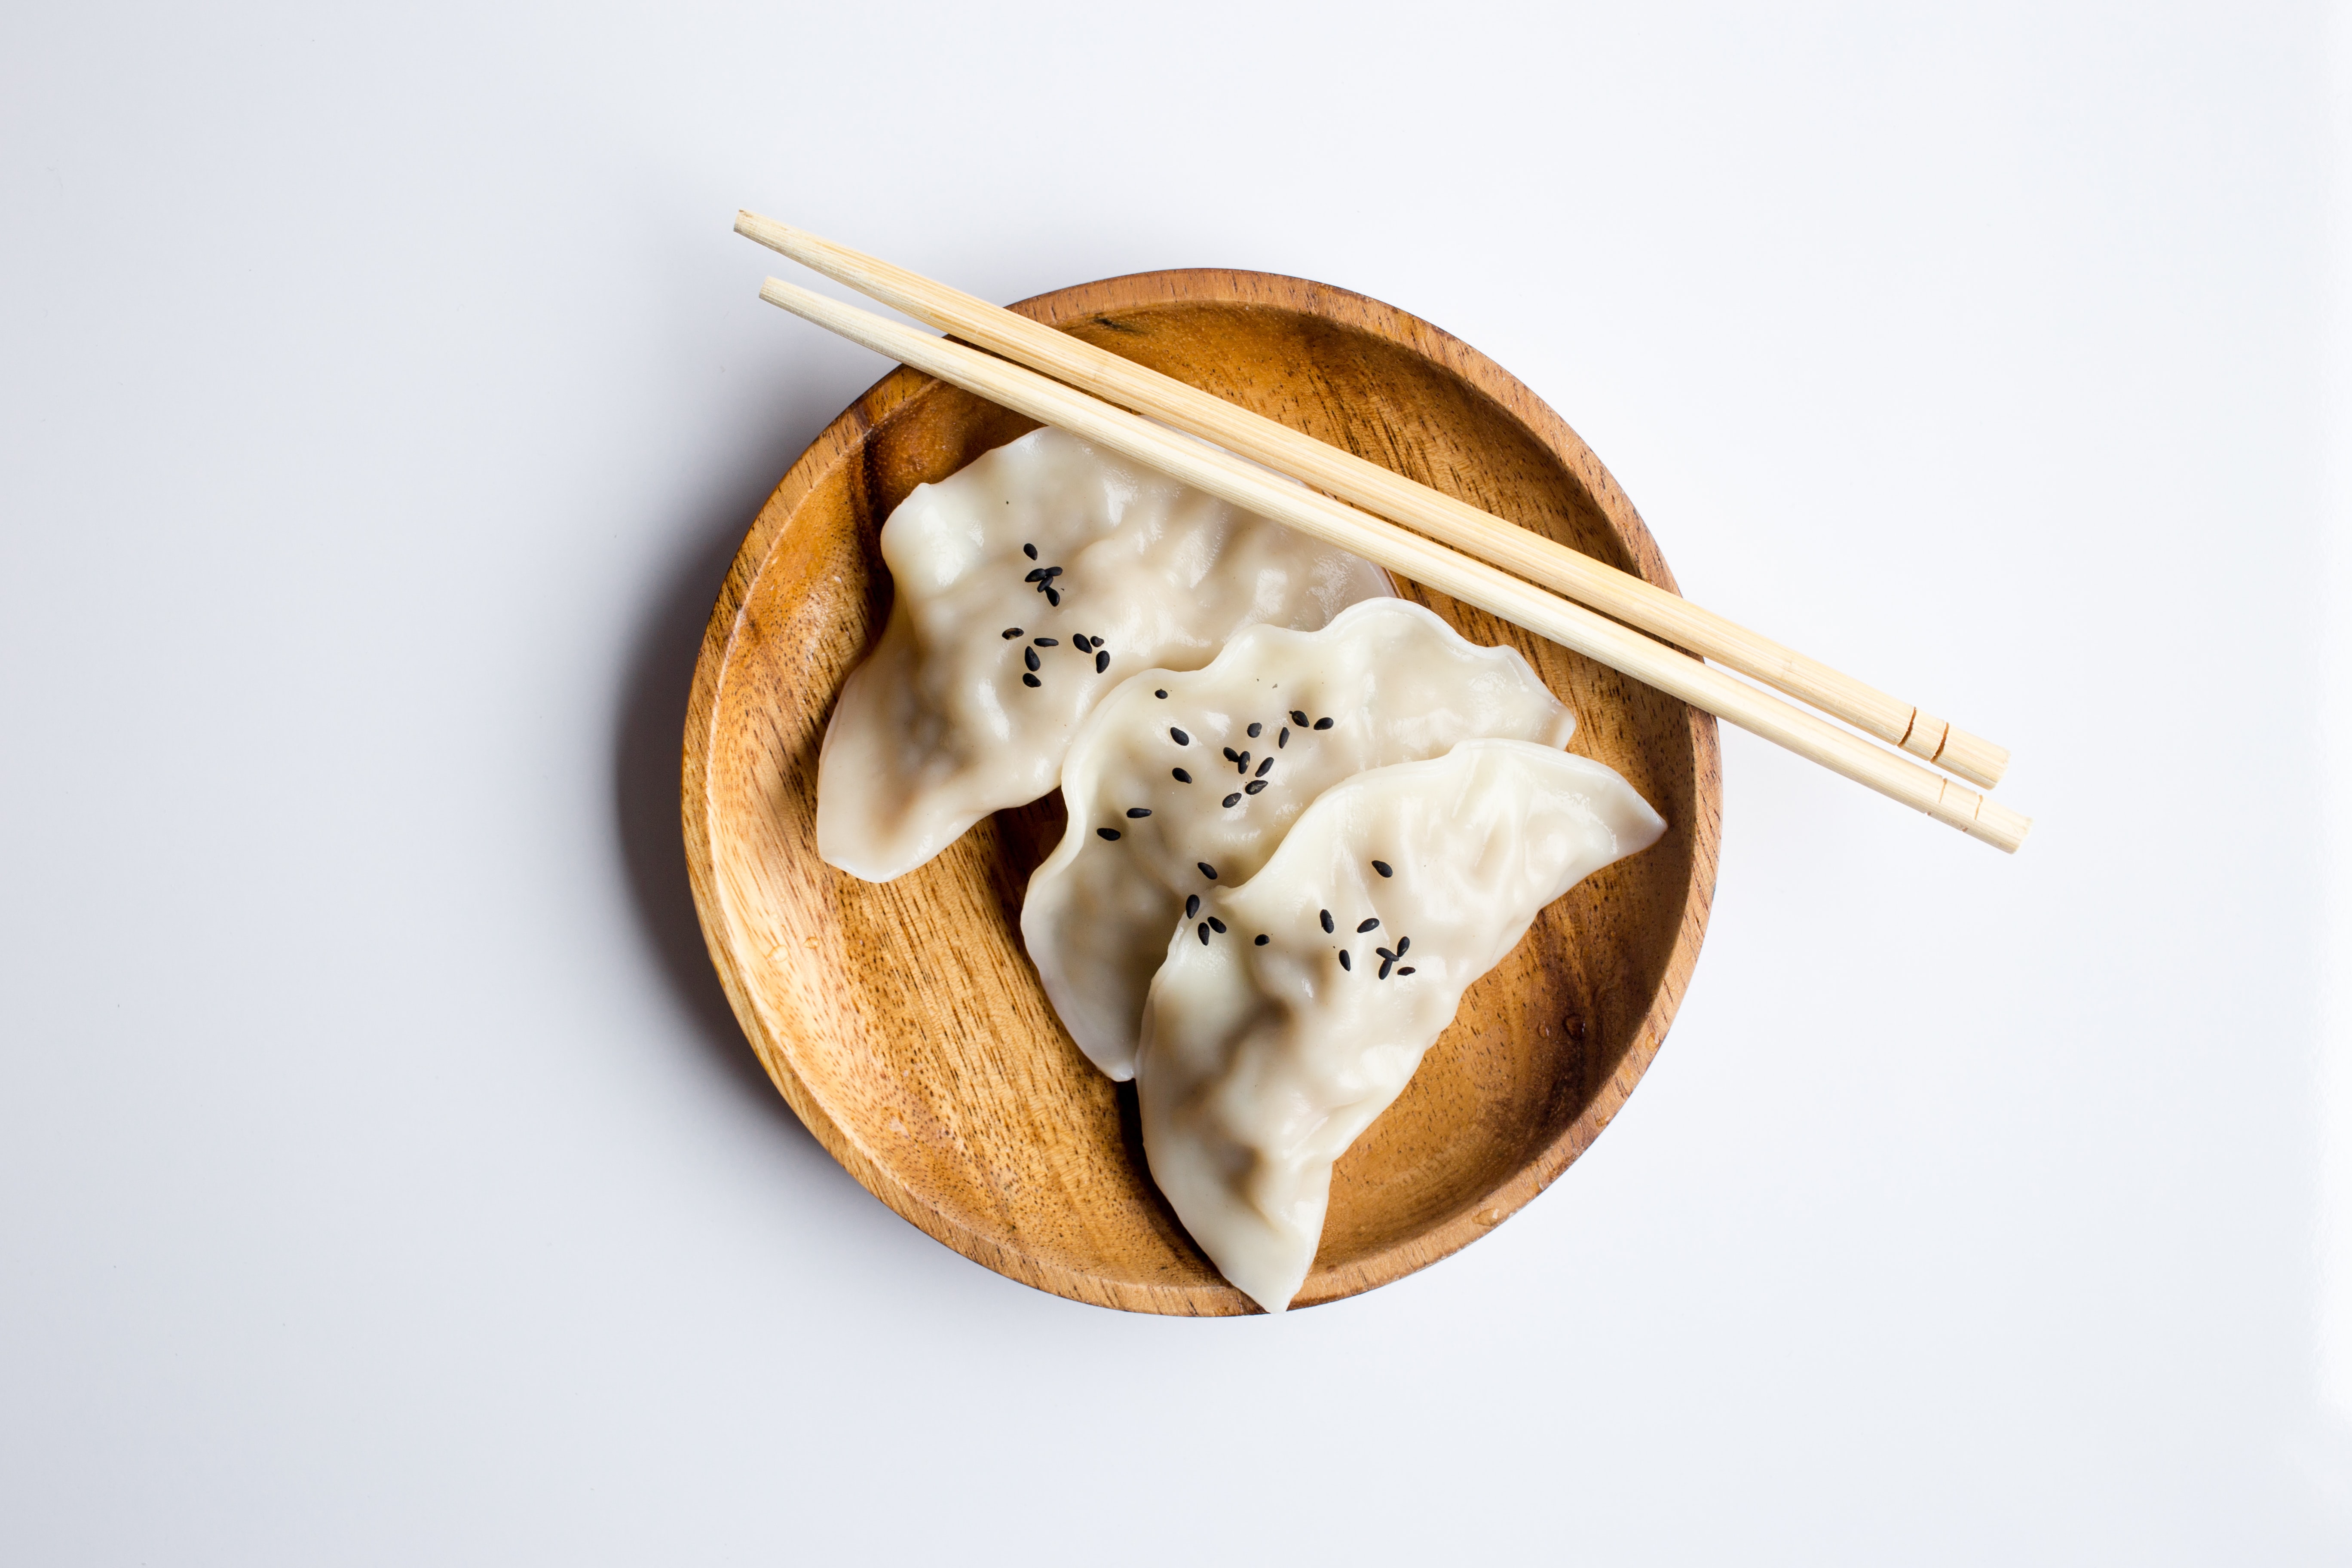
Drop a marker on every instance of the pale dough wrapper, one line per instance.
(1259, 1064)
(938, 728)
(1389, 682)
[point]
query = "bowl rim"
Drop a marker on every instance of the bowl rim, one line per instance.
(844, 440)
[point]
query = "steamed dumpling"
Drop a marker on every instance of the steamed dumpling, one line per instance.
(1178, 785)
(1029, 583)
(1394, 891)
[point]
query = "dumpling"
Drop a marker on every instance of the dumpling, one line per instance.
(1029, 583)
(1178, 785)
(1269, 1046)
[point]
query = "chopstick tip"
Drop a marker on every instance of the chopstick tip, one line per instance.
(755, 226)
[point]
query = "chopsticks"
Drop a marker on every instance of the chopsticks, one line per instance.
(1246, 485)
(1519, 550)
(1254, 489)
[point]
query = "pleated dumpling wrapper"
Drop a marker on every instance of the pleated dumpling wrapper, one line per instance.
(1178, 785)
(1030, 582)
(1261, 1062)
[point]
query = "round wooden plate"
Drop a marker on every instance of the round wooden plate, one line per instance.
(903, 1021)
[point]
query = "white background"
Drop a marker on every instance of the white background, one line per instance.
(381, 1178)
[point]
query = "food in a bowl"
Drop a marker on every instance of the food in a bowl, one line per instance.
(1181, 784)
(1028, 584)
(1272, 1039)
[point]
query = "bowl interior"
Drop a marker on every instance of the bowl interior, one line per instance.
(904, 1022)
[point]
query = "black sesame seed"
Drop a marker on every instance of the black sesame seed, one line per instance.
(1052, 573)
(1029, 657)
(1255, 785)
(1080, 642)
(1242, 761)
(1011, 632)
(1365, 925)
(1255, 730)
(1233, 800)
(1230, 756)
(1206, 869)
(1030, 551)
(1261, 939)
(1047, 642)
(1406, 969)
(1204, 933)
(1322, 723)
(1053, 598)
(1216, 925)
(1284, 739)
(1404, 945)
(1328, 926)
(1179, 736)
(1345, 961)
(1135, 811)
(1102, 662)
(1161, 694)
(1192, 905)
(1110, 833)
(1383, 868)
(1181, 776)
(1384, 953)
(1266, 766)
(1299, 717)
(1386, 964)
(1028, 680)
(1036, 575)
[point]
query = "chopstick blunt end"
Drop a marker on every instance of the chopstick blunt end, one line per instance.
(2000, 827)
(1980, 816)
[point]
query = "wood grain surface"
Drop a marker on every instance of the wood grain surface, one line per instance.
(903, 1021)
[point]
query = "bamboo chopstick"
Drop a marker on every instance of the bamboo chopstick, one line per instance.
(1491, 539)
(1523, 604)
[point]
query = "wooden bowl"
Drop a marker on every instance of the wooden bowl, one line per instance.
(903, 1021)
